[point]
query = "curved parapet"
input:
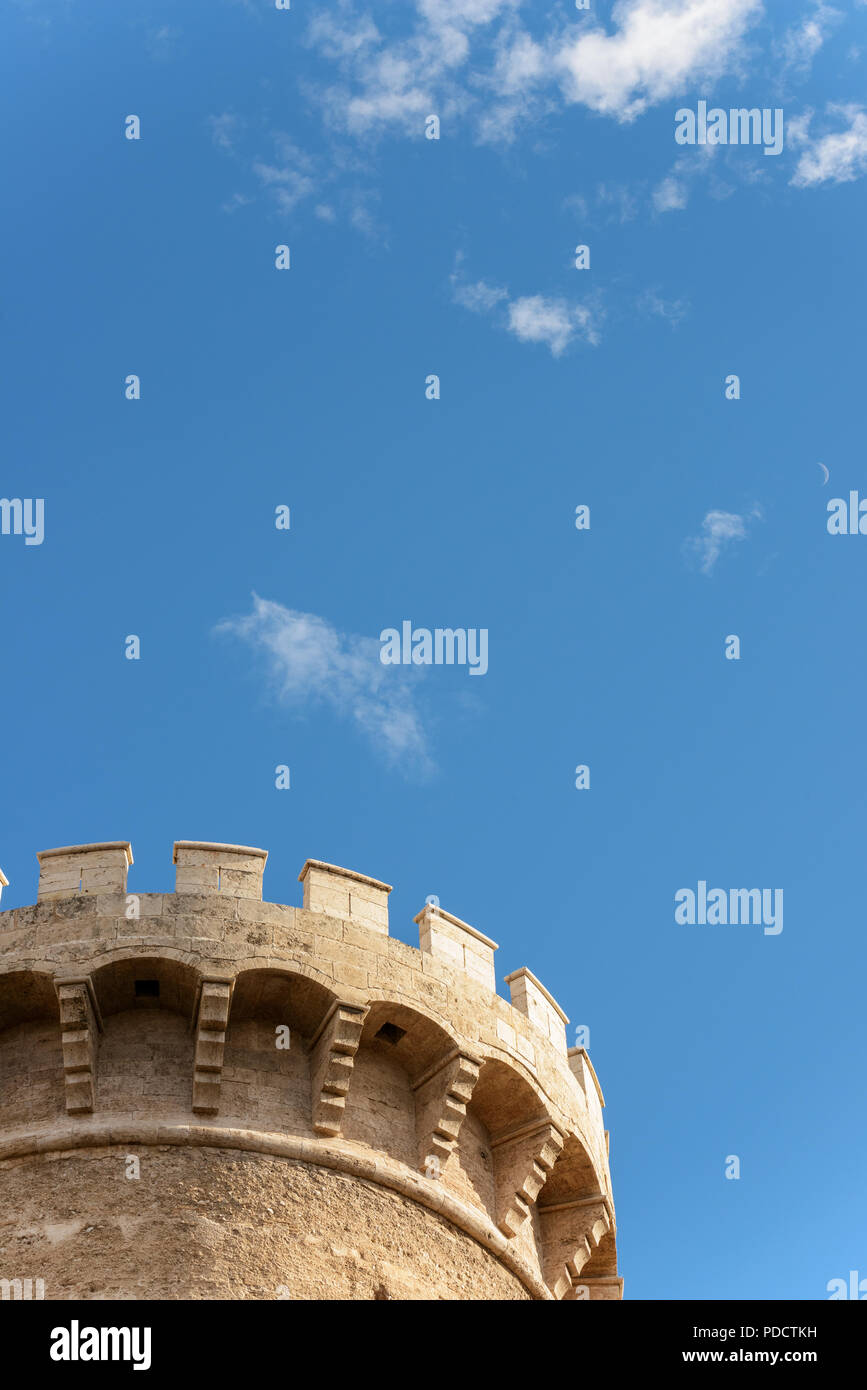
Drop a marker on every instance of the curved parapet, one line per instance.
(205, 1095)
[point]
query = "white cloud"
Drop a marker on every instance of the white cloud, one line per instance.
(361, 205)
(718, 530)
(532, 318)
(836, 158)
(162, 42)
(342, 41)
(618, 197)
(798, 129)
(672, 310)
(670, 195)
(237, 200)
(658, 48)
(225, 129)
(704, 161)
(576, 203)
(554, 322)
(290, 178)
(616, 200)
(399, 82)
(480, 297)
(310, 663)
(802, 41)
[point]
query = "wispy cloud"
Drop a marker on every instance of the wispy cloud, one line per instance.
(620, 202)
(534, 318)
(309, 663)
(289, 176)
(718, 531)
(655, 49)
(802, 41)
(225, 130)
(162, 42)
(838, 157)
(705, 162)
(237, 200)
(671, 195)
(655, 305)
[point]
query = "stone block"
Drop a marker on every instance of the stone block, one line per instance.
(74, 870)
(345, 893)
(532, 999)
(235, 870)
(450, 939)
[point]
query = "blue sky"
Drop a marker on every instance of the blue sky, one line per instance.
(558, 387)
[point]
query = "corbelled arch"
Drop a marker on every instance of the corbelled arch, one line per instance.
(141, 1005)
(525, 1140)
(410, 1083)
(276, 1014)
(577, 1224)
(26, 995)
(285, 994)
(146, 981)
(31, 1057)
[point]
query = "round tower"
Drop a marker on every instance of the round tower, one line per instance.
(207, 1096)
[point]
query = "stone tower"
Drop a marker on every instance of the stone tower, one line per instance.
(203, 1096)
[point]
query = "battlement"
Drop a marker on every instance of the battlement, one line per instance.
(146, 1019)
(77, 869)
(206, 869)
(344, 893)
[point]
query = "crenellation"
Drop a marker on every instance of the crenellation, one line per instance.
(445, 936)
(582, 1069)
(344, 893)
(83, 869)
(235, 870)
(531, 997)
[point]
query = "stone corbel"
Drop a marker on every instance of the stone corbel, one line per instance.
(332, 1058)
(571, 1232)
(210, 1021)
(80, 1024)
(523, 1158)
(442, 1094)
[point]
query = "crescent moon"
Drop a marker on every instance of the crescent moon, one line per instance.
(825, 471)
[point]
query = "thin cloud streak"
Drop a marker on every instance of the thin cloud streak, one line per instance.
(309, 663)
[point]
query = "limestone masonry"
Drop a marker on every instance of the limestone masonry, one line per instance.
(206, 1096)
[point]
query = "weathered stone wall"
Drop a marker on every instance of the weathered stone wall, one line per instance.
(462, 1143)
(219, 1224)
